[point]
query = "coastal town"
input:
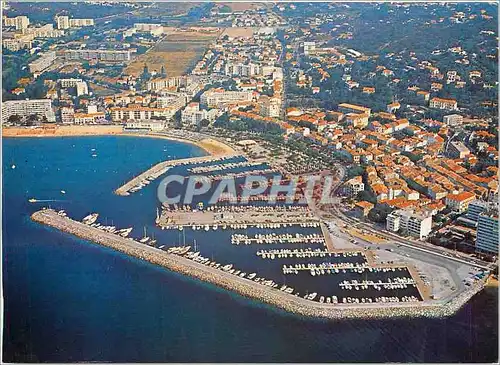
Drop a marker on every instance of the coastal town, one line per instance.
(408, 131)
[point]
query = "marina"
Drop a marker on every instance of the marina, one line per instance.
(261, 286)
(161, 168)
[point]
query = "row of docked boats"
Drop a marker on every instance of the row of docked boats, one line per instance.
(326, 268)
(273, 238)
(298, 253)
(91, 220)
(142, 184)
(235, 175)
(393, 299)
(223, 166)
(390, 284)
(112, 229)
(206, 160)
(197, 257)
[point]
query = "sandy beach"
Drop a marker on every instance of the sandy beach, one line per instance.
(211, 146)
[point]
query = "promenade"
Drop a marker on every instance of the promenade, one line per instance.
(249, 288)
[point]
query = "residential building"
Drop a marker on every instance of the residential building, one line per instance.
(77, 23)
(45, 31)
(16, 44)
(392, 107)
(146, 125)
(362, 208)
(351, 108)
(457, 149)
(309, 47)
(475, 208)
(357, 120)
(19, 22)
(65, 83)
(447, 104)
(62, 22)
(409, 222)
(89, 118)
(353, 186)
(487, 232)
(453, 119)
(138, 112)
(193, 115)
(67, 115)
(218, 97)
(270, 107)
(25, 108)
(43, 62)
(459, 202)
(81, 88)
(97, 55)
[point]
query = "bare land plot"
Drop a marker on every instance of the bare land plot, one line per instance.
(177, 51)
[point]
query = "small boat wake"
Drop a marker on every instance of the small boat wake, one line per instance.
(33, 200)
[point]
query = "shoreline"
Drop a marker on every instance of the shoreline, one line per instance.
(209, 145)
(248, 288)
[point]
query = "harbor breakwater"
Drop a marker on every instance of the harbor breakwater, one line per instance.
(249, 288)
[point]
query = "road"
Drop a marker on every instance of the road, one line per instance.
(406, 242)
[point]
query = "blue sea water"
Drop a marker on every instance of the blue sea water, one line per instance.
(69, 300)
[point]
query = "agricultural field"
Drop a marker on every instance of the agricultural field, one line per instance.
(177, 51)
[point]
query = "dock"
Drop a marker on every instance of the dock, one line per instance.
(160, 168)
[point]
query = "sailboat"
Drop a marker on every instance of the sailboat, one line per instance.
(145, 238)
(157, 220)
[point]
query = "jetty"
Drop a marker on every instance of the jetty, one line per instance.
(249, 288)
(160, 168)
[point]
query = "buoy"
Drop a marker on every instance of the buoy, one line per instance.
(13, 166)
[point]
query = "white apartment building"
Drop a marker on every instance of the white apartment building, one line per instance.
(407, 221)
(16, 44)
(146, 125)
(81, 88)
(453, 119)
(89, 118)
(140, 113)
(76, 23)
(24, 108)
(67, 115)
(353, 186)
(218, 97)
(193, 115)
(20, 22)
(309, 47)
(65, 83)
(40, 64)
(270, 107)
(241, 69)
(45, 31)
(167, 83)
(175, 101)
(97, 54)
(147, 27)
(62, 22)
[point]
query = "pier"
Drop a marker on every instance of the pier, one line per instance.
(161, 168)
(249, 288)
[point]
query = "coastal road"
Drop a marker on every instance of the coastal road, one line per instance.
(417, 245)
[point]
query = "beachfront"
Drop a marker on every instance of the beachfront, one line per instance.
(209, 144)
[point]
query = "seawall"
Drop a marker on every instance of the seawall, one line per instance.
(249, 288)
